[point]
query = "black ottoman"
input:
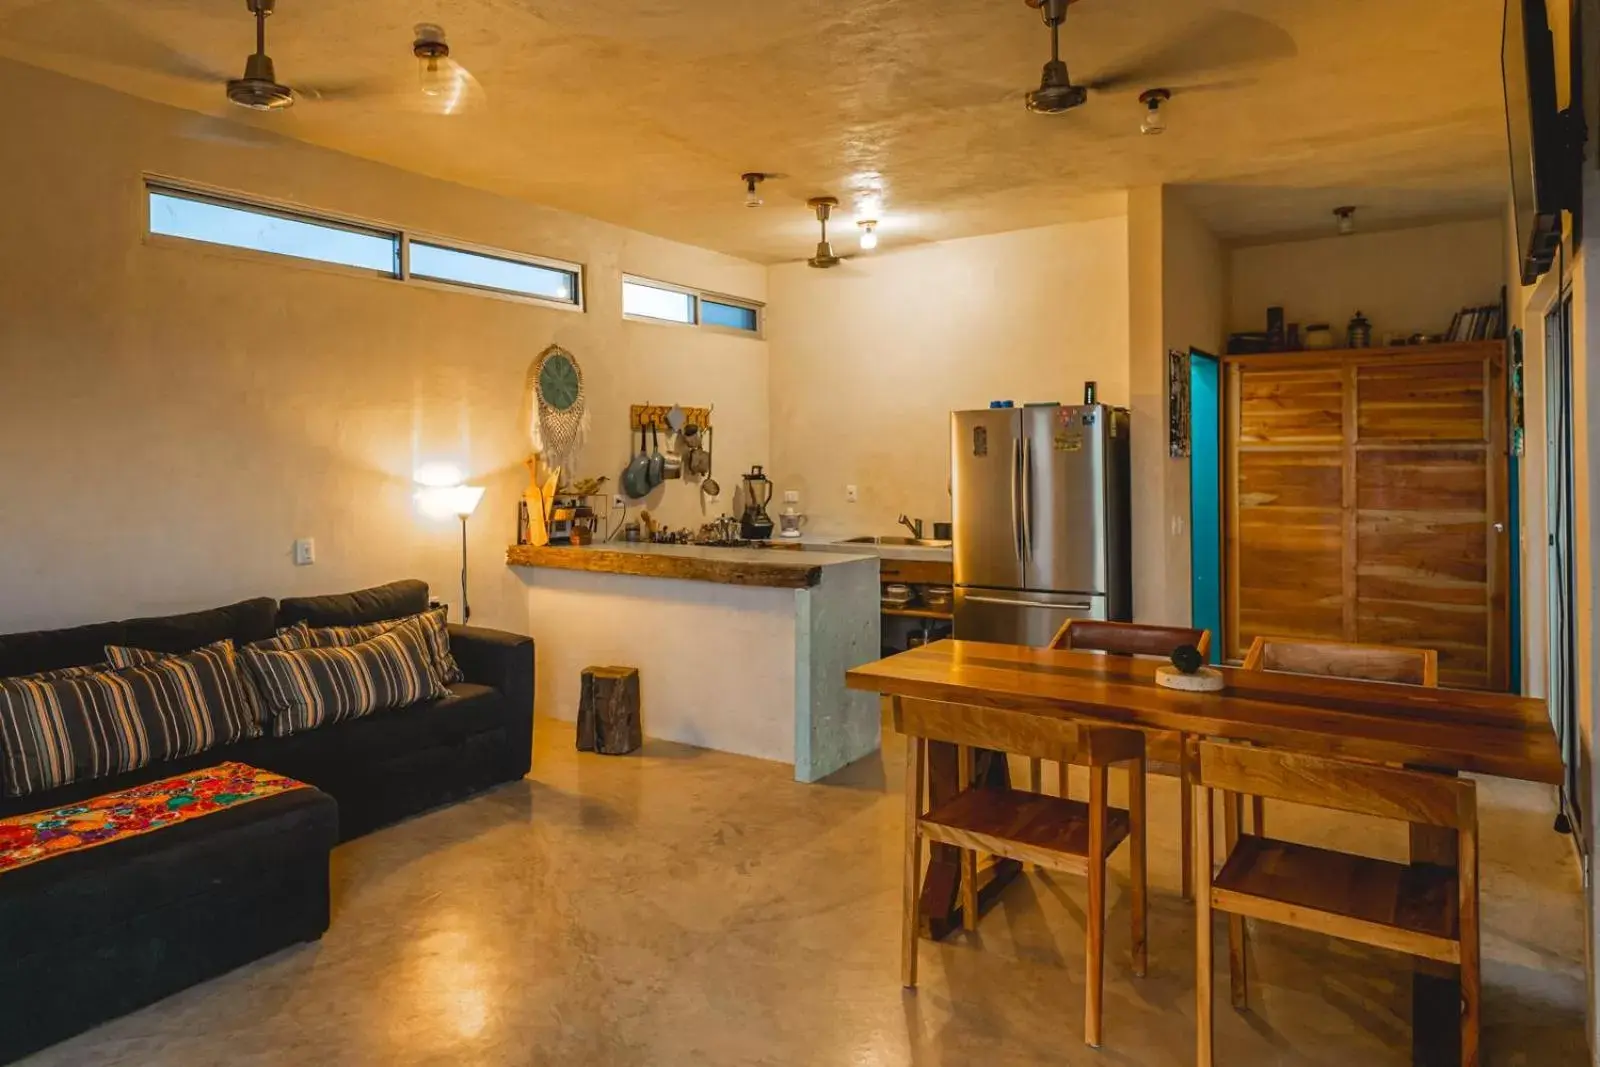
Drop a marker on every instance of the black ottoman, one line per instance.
(95, 933)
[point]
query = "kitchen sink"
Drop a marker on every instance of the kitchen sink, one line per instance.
(903, 542)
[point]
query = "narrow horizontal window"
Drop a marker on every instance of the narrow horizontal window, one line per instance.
(441, 264)
(655, 302)
(194, 218)
(729, 316)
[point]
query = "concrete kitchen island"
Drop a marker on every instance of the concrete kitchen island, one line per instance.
(740, 650)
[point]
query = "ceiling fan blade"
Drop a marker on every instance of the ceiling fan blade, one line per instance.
(108, 37)
(1222, 40)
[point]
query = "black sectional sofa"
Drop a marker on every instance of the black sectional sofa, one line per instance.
(93, 934)
(379, 769)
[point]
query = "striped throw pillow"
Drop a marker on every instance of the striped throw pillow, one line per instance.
(63, 672)
(434, 625)
(311, 687)
(56, 732)
(120, 656)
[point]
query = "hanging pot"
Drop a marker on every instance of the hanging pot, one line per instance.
(635, 479)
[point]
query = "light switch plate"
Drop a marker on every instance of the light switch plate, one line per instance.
(305, 552)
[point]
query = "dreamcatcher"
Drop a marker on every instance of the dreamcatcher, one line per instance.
(558, 419)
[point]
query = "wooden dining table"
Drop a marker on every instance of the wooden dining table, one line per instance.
(1446, 731)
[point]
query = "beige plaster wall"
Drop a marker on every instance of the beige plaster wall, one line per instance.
(1403, 280)
(869, 359)
(1194, 269)
(1178, 281)
(176, 417)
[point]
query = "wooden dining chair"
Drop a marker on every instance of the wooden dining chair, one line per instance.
(1054, 832)
(1165, 750)
(1421, 909)
(1338, 659)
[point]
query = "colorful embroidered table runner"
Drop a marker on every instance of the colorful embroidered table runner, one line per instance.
(39, 835)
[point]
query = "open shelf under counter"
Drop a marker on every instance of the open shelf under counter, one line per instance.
(918, 613)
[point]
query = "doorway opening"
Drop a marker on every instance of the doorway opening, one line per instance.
(1562, 691)
(1205, 496)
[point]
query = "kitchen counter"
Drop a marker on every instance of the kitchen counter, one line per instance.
(819, 543)
(741, 650)
(729, 566)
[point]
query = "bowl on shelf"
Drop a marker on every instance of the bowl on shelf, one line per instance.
(937, 597)
(897, 595)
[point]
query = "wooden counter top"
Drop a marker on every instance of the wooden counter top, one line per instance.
(773, 568)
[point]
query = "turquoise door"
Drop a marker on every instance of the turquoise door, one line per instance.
(1205, 496)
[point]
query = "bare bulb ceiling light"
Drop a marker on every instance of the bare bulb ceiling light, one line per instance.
(823, 206)
(1056, 93)
(437, 74)
(752, 187)
(1155, 119)
(869, 234)
(1347, 220)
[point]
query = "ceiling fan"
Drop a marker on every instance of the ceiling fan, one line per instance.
(824, 257)
(1217, 41)
(440, 85)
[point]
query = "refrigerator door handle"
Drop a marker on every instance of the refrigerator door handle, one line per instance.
(1016, 477)
(1027, 499)
(1028, 603)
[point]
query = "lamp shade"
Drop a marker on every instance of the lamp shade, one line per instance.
(462, 500)
(444, 500)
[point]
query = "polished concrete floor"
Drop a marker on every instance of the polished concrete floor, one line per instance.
(683, 907)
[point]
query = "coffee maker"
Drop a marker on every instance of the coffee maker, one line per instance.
(755, 524)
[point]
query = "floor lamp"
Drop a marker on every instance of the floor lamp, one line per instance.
(462, 501)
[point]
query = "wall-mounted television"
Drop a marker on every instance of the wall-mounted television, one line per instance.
(1536, 130)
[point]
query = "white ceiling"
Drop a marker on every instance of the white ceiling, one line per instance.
(644, 112)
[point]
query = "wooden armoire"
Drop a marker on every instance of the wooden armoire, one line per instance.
(1368, 502)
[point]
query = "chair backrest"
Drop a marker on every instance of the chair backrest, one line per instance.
(1362, 788)
(1024, 733)
(1128, 638)
(1337, 659)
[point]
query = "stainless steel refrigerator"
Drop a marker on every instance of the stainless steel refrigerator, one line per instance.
(1042, 533)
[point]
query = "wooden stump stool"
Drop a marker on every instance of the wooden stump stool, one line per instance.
(608, 711)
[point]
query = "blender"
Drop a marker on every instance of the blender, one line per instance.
(755, 524)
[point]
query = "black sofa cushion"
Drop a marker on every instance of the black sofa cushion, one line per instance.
(93, 934)
(30, 653)
(47, 650)
(393, 601)
(243, 623)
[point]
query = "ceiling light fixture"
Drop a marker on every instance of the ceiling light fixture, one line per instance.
(435, 72)
(823, 206)
(1155, 120)
(869, 234)
(1347, 220)
(752, 192)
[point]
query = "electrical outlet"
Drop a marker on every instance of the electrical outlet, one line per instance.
(791, 496)
(305, 552)
(617, 503)
(850, 494)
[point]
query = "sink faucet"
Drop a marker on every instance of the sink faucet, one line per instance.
(914, 525)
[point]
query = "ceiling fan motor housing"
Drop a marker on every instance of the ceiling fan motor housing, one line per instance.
(259, 88)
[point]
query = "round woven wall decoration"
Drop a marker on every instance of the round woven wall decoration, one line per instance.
(558, 419)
